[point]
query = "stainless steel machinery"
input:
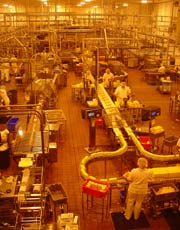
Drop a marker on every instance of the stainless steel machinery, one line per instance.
(162, 197)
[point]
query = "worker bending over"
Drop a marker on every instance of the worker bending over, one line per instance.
(138, 188)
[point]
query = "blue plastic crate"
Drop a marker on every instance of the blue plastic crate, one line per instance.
(13, 124)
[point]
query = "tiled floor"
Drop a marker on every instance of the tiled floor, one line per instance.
(76, 138)
(72, 149)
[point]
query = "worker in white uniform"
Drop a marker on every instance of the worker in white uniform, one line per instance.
(5, 70)
(162, 69)
(122, 93)
(89, 78)
(138, 188)
(4, 97)
(107, 77)
(14, 65)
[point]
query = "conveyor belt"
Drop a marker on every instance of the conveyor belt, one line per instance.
(31, 143)
(111, 110)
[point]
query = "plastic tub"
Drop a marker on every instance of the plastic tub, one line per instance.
(13, 124)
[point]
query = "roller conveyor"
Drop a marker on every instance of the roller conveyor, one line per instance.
(111, 110)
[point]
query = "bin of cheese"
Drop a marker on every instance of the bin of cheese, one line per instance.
(95, 187)
(165, 192)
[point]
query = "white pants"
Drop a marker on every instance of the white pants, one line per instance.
(5, 97)
(5, 75)
(133, 205)
(122, 101)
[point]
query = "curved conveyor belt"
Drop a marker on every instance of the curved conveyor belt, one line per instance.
(111, 110)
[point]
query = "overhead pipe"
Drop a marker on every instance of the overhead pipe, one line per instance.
(145, 153)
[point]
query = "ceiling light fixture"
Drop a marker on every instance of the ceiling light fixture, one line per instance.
(143, 1)
(125, 4)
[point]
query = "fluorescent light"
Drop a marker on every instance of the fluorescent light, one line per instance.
(125, 4)
(143, 1)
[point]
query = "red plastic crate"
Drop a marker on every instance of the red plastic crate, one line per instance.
(146, 142)
(95, 187)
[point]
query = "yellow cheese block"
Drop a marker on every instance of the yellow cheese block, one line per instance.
(157, 129)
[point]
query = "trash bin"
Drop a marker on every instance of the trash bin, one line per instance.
(12, 94)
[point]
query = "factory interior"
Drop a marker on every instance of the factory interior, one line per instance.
(66, 139)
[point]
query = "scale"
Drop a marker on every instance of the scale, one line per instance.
(91, 114)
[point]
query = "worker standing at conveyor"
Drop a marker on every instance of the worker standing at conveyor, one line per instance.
(122, 93)
(138, 188)
(107, 77)
(89, 78)
(5, 70)
(14, 65)
(4, 97)
(162, 69)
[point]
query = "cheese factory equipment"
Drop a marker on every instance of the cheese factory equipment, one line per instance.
(165, 86)
(162, 197)
(54, 37)
(42, 90)
(164, 173)
(30, 186)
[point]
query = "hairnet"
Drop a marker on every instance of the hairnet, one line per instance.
(142, 163)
